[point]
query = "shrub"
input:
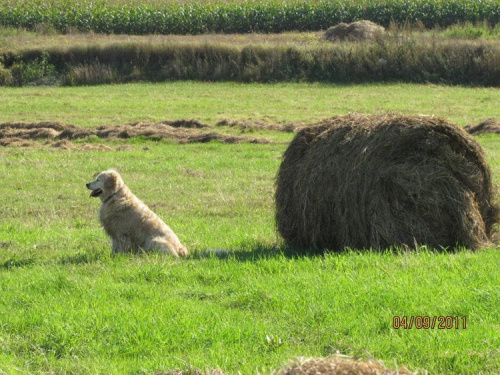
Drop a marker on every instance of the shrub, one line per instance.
(32, 71)
(6, 78)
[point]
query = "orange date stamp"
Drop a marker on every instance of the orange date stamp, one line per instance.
(429, 322)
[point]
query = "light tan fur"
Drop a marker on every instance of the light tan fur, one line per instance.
(131, 225)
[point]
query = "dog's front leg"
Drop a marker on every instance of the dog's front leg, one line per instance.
(116, 248)
(121, 244)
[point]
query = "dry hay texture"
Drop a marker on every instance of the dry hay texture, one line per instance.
(191, 371)
(355, 31)
(377, 182)
(250, 126)
(338, 366)
(180, 131)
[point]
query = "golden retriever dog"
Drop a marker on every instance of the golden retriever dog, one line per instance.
(131, 225)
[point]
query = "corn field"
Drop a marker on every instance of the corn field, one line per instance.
(237, 16)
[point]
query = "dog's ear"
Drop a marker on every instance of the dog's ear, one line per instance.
(111, 182)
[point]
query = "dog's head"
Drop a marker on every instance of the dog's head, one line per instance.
(106, 184)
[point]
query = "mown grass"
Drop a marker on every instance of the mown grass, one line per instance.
(212, 102)
(67, 306)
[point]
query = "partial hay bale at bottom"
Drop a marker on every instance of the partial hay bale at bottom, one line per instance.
(338, 366)
(377, 182)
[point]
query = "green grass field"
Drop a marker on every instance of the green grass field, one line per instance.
(211, 102)
(67, 306)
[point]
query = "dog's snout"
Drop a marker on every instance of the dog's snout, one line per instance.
(88, 185)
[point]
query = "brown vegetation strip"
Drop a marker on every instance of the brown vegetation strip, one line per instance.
(181, 131)
(57, 134)
(246, 125)
(63, 144)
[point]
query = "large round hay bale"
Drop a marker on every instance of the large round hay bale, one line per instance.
(355, 31)
(384, 181)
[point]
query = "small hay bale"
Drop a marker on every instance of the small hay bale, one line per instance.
(489, 126)
(377, 182)
(338, 366)
(355, 31)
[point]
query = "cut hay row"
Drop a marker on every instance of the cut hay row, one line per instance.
(22, 134)
(489, 126)
(247, 125)
(376, 182)
(172, 17)
(63, 144)
(12, 133)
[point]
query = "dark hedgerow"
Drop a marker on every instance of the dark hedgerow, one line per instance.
(236, 16)
(383, 60)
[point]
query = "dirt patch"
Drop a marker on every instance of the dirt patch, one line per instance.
(182, 131)
(249, 126)
(376, 182)
(355, 31)
(489, 126)
(338, 365)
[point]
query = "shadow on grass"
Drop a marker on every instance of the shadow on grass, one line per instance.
(85, 258)
(258, 252)
(245, 252)
(264, 251)
(16, 263)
